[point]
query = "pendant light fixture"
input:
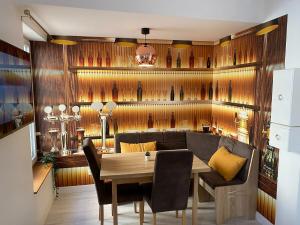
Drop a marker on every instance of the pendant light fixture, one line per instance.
(145, 54)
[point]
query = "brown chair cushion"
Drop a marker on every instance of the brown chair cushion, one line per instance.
(213, 179)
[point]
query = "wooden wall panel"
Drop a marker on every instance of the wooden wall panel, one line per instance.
(251, 85)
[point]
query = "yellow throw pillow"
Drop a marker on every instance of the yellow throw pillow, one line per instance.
(226, 164)
(138, 147)
(149, 146)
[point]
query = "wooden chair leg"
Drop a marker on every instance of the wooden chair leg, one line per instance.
(101, 214)
(154, 219)
(135, 207)
(177, 215)
(141, 207)
(183, 217)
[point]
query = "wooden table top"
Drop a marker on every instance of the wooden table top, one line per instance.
(133, 165)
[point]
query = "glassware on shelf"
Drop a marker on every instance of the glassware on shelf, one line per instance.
(181, 94)
(81, 59)
(139, 91)
(80, 136)
(53, 134)
(107, 60)
(208, 63)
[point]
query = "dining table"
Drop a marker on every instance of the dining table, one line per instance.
(125, 168)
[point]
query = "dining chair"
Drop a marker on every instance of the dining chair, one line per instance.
(169, 190)
(126, 192)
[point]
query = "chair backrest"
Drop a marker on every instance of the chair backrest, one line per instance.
(171, 181)
(94, 163)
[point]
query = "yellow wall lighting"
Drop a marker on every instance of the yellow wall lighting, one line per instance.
(267, 27)
(61, 40)
(181, 44)
(225, 41)
(126, 42)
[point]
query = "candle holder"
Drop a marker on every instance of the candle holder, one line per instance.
(63, 119)
(104, 112)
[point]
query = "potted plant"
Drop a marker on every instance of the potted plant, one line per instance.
(147, 156)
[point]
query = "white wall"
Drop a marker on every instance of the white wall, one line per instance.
(18, 204)
(288, 189)
(278, 8)
(10, 24)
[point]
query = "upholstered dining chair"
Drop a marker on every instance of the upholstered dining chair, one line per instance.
(126, 192)
(171, 182)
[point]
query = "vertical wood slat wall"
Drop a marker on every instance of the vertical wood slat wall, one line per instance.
(50, 74)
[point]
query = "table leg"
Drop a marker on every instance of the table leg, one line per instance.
(195, 199)
(115, 202)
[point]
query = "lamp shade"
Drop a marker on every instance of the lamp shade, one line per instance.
(267, 27)
(145, 55)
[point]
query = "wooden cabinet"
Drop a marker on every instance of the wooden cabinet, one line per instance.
(285, 97)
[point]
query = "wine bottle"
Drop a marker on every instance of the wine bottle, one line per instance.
(195, 123)
(178, 61)
(234, 57)
(208, 62)
(90, 95)
(107, 127)
(217, 91)
(210, 91)
(251, 57)
(172, 94)
(99, 59)
(102, 94)
(150, 121)
(173, 121)
(107, 60)
(81, 59)
(169, 59)
(181, 94)
(115, 92)
(139, 91)
(90, 60)
(116, 127)
(216, 61)
(192, 60)
(230, 91)
(203, 91)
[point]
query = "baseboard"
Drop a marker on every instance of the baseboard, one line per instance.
(262, 220)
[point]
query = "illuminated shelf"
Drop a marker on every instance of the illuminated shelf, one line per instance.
(151, 102)
(246, 106)
(75, 68)
(255, 64)
(99, 136)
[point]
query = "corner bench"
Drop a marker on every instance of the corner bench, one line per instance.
(236, 198)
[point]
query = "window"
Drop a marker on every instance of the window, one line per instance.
(33, 142)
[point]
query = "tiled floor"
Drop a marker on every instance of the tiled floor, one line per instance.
(79, 206)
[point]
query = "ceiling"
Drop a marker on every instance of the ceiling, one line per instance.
(196, 20)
